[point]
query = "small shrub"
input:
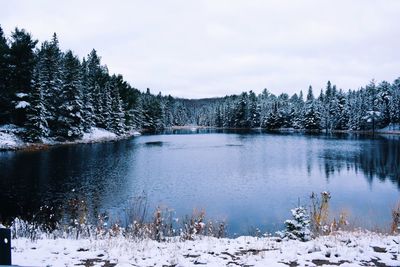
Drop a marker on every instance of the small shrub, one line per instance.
(299, 227)
(193, 225)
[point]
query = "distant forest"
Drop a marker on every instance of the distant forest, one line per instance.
(55, 94)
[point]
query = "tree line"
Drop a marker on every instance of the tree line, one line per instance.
(54, 94)
(367, 108)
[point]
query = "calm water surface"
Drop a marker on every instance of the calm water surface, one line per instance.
(249, 179)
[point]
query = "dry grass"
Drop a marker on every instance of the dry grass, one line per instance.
(395, 227)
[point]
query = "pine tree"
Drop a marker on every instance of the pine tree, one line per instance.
(168, 111)
(70, 120)
(254, 111)
(37, 126)
(342, 120)
(107, 105)
(394, 108)
(383, 101)
(152, 113)
(96, 79)
(240, 113)
(131, 104)
(117, 118)
(274, 119)
(296, 111)
(87, 99)
(22, 63)
(299, 227)
(312, 118)
(49, 79)
(5, 99)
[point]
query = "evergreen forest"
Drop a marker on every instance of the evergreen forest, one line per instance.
(54, 94)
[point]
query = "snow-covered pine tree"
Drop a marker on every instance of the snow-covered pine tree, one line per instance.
(299, 227)
(219, 122)
(95, 80)
(49, 77)
(383, 99)
(5, 99)
(296, 112)
(168, 111)
(87, 99)
(254, 110)
(36, 124)
(342, 120)
(107, 105)
(241, 117)
(22, 62)
(274, 119)
(70, 120)
(395, 102)
(117, 112)
(312, 118)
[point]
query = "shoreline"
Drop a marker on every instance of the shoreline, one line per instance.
(288, 130)
(14, 143)
(11, 142)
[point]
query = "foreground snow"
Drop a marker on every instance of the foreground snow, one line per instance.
(344, 249)
(9, 139)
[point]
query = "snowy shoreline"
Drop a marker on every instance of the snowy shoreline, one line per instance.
(9, 139)
(339, 249)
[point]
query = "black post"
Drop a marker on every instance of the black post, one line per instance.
(5, 246)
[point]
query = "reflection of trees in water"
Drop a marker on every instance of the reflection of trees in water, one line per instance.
(41, 184)
(375, 158)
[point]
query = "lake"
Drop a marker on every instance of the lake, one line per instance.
(249, 179)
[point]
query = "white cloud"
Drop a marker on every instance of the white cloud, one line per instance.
(212, 48)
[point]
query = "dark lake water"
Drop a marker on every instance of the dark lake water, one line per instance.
(249, 179)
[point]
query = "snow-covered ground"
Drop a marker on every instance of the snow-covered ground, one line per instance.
(9, 139)
(343, 248)
(393, 127)
(98, 134)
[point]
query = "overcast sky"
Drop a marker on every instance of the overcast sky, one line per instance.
(213, 48)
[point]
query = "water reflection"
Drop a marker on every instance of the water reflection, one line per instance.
(248, 178)
(376, 157)
(92, 173)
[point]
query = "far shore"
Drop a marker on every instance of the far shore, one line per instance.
(286, 130)
(22, 146)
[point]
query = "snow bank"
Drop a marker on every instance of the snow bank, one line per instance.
(344, 249)
(98, 134)
(9, 139)
(393, 127)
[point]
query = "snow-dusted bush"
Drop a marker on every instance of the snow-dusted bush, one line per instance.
(299, 227)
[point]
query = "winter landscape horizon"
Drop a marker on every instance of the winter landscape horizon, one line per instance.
(184, 133)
